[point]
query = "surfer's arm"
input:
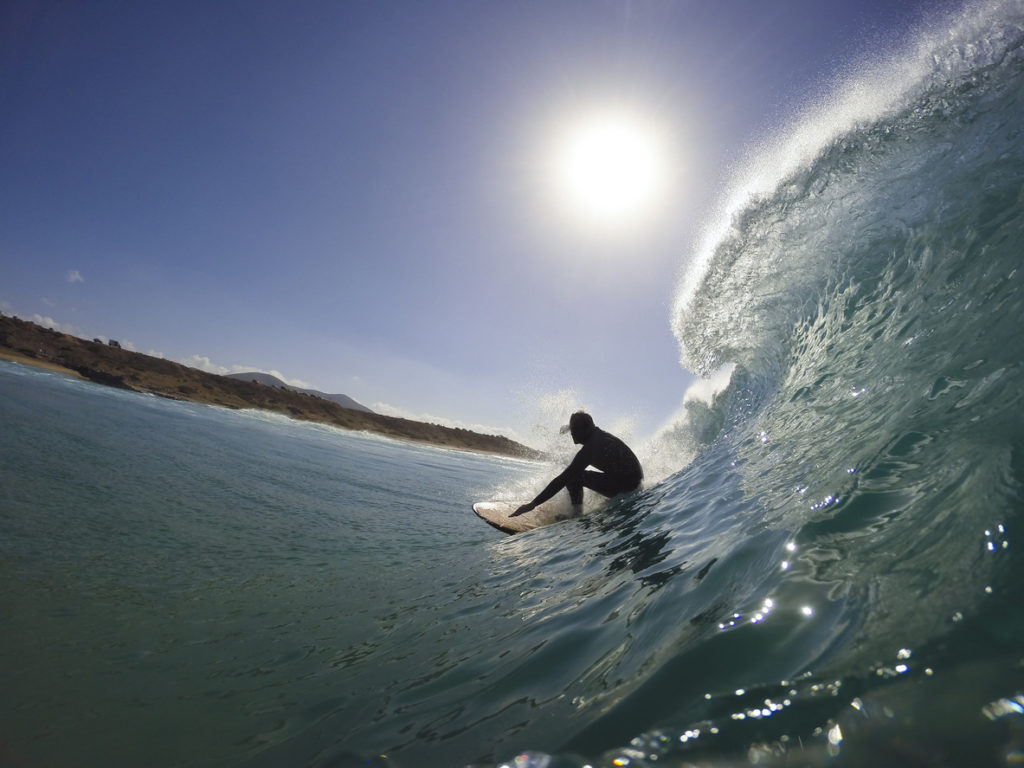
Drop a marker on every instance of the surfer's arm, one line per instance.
(523, 509)
(577, 466)
(552, 488)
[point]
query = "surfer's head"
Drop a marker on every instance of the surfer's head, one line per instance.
(581, 425)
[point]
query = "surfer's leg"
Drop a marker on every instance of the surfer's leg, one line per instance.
(575, 489)
(601, 482)
(605, 483)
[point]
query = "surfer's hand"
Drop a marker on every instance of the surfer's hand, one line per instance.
(522, 510)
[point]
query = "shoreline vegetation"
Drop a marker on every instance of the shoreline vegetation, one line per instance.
(27, 343)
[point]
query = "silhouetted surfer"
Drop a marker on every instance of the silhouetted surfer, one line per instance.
(620, 469)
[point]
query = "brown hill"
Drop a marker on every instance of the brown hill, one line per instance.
(32, 344)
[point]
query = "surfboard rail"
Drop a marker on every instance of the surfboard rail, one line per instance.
(498, 514)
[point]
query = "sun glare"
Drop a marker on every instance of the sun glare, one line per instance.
(610, 169)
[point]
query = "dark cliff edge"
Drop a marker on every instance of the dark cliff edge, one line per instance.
(26, 342)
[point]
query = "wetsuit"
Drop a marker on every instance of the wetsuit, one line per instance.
(620, 470)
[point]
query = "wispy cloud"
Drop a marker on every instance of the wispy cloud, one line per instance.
(74, 276)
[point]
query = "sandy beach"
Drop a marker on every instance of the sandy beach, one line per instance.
(46, 365)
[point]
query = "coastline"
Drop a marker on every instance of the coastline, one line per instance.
(13, 357)
(26, 343)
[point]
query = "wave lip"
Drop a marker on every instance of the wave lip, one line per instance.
(851, 180)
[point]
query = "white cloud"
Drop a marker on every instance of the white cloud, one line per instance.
(299, 383)
(49, 322)
(204, 364)
(74, 276)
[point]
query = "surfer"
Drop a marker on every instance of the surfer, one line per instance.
(620, 470)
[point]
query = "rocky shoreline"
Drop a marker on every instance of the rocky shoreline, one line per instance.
(31, 344)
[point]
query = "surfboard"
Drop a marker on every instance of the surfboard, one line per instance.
(496, 513)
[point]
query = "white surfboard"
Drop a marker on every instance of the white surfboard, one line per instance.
(497, 513)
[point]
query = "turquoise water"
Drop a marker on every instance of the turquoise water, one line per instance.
(825, 569)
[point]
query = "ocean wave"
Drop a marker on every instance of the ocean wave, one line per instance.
(874, 180)
(863, 469)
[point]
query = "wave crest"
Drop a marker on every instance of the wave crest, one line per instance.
(851, 188)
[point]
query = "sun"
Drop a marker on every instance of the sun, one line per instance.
(610, 169)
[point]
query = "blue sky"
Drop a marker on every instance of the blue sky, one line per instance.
(357, 195)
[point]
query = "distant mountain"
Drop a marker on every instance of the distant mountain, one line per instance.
(272, 381)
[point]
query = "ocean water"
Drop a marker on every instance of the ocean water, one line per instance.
(825, 569)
